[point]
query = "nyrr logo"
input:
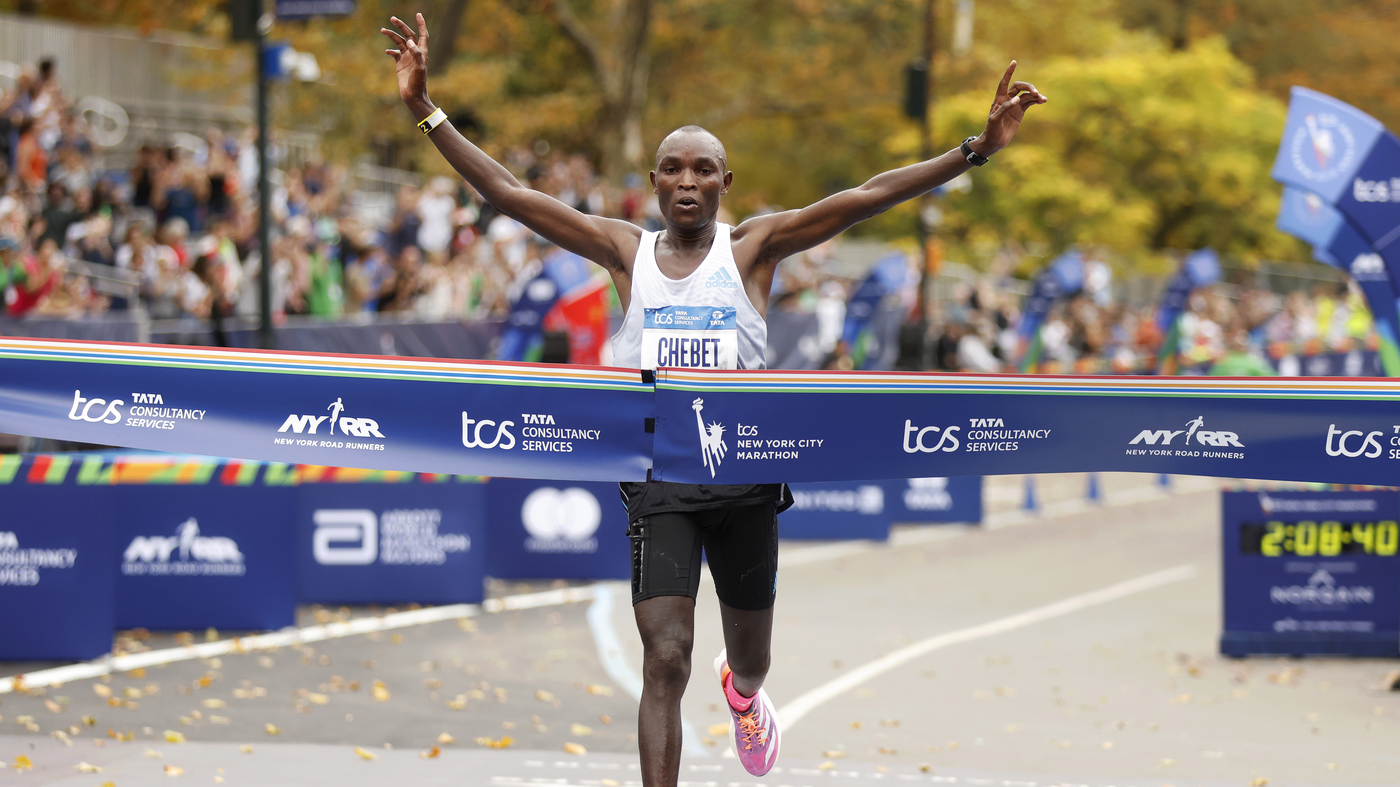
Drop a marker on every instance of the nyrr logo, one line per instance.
(197, 555)
(472, 429)
(947, 441)
(1193, 429)
(309, 424)
(712, 447)
(561, 521)
(1368, 446)
(97, 411)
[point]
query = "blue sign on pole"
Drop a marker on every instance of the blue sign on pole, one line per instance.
(1312, 572)
(56, 573)
(556, 529)
(200, 556)
(390, 543)
(1324, 143)
(935, 499)
(854, 510)
(308, 9)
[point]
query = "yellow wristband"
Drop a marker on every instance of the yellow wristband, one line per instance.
(432, 121)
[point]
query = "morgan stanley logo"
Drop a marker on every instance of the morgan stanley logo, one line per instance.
(712, 445)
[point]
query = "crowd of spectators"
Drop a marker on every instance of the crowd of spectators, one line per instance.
(175, 232)
(1225, 326)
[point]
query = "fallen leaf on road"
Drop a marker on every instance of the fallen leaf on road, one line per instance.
(827, 766)
(430, 754)
(611, 783)
(366, 754)
(1106, 745)
(466, 624)
(152, 754)
(53, 706)
(132, 693)
(580, 729)
(220, 720)
(173, 770)
(884, 750)
(889, 722)
(605, 718)
(601, 691)
(272, 729)
(171, 736)
(834, 754)
(22, 763)
(1259, 781)
(379, 691)
(1167, 762)
(102, 690)
(318, 699)
(460, 703)
(87, 767)
(544, 696)
(214, 703)
(246, 749)
(446, 740)
(925, 768)
(89, 721)
(503, 743)
(574, 748)
(855, 725)
(718, 730)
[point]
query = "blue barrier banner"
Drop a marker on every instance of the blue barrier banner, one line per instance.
(56, 571)
(190, 557)
(390, 543)
(1064, 276)
(837, 510)
(771, 426)
(935, 499)
(471, 418)
(1311, 573)
(554, 529)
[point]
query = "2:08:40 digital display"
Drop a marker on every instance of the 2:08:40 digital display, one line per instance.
(1327, 539)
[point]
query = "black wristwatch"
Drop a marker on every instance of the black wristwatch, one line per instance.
(974, 159)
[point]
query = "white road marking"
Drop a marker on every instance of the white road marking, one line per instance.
(616, 665)
(294, 636)
(793, 712)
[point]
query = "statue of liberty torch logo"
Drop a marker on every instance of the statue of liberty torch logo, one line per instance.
(712, 446)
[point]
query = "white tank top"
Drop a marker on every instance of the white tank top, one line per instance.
(704, 321)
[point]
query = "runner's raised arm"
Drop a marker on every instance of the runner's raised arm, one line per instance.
(784, 234)
(608, 242)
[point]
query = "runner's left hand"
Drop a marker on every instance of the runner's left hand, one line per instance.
(1008, 110)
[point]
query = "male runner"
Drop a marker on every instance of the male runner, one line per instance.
(697, 281)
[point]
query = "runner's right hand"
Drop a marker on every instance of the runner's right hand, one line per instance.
(410, 59)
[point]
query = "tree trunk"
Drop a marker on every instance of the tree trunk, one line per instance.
(444, 45)
(621, 72)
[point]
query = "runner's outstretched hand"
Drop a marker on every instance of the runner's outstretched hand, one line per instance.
(411, 60)
(1008, 109)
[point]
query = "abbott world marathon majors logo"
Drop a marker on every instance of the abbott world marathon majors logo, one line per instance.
(1322, 148)
(185, 554)
(363, 430)
(1215, 444)
(749, 444)
(146, 411)
(561, 520)
(22, 567)
(398, 537)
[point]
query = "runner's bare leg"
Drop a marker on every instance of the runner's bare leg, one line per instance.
(667, 626)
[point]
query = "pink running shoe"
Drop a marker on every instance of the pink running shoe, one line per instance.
(753, 732)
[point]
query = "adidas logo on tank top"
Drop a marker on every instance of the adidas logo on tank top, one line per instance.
(722, 279)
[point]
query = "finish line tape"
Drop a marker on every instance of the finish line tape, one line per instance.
(731, 427)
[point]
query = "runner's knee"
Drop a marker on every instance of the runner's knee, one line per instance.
(667, 662)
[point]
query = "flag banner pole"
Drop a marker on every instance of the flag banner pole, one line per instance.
(442, 416)
(770, 426)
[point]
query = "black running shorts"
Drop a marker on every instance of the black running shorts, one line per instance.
(740, 543)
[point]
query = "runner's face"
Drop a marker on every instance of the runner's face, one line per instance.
(689, 179)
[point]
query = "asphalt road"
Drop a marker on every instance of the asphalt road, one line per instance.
(1072, 647)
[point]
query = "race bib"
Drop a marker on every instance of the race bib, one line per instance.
(691, 337)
